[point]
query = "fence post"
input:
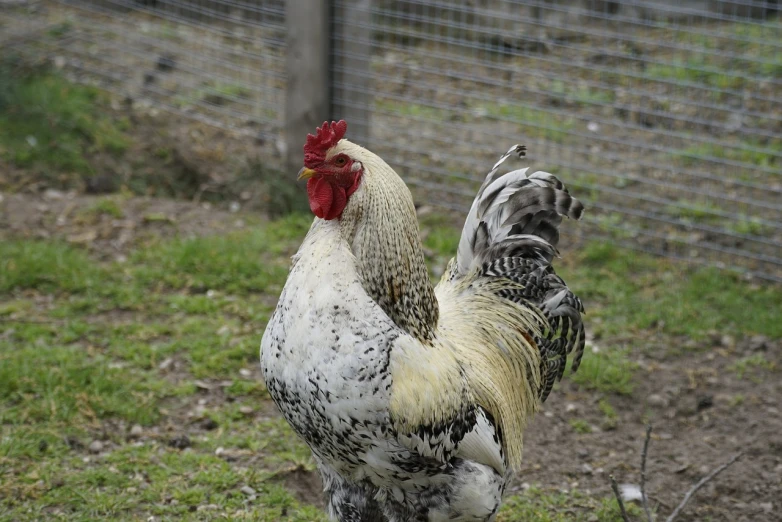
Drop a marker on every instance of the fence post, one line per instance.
(308, 83)
(352, 49)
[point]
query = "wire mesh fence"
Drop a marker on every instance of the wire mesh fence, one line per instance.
(666, 119)
(664, 116)
(221, 62)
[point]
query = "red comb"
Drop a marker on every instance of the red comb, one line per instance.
(327, 136)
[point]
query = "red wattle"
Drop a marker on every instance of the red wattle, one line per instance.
(327, 201)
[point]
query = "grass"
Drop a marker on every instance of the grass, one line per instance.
(628, 293)
(580, 426)
(85, 364)
(535, 123)
(610, 372)
(52, 125)
(532, 122)
(695, 155)
(169, 339)
(536, 505)
(746, 365)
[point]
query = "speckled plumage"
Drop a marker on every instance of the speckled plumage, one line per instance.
(414, 399)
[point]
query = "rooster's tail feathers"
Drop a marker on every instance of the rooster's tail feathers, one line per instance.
(515, 215)
(512, 232)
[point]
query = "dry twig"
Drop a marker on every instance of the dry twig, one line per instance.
(619, 501)
(702, 482)
(644, 453)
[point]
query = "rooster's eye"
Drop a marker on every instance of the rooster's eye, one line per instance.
(340, 161)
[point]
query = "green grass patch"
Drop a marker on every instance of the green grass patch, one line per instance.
(246, 261)
(580, 426)
(696, 68)
(536, 505)
(749, 225)
(47, 266)
(535, 123)
(52, 125)
(752, 363)
(629, 291)
(743, 152)
(610, 417)
(699, 211)
(606, 372)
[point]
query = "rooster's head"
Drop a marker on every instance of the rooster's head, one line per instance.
(332, 173)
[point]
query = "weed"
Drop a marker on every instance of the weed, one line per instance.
(607, 373)
(610, 416)
(749, 364)
(580, 426)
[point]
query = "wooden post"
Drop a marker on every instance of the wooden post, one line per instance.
(308, 85)
(353, 46)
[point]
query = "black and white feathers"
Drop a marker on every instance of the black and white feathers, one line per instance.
(512, 232)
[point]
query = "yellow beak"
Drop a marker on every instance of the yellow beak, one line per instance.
(305, 173)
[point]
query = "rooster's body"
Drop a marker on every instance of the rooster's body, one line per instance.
(414, 399)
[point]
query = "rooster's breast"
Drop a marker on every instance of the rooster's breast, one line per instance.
(325, 356)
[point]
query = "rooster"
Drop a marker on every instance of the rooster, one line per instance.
(414, 398)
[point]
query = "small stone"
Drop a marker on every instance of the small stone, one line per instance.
(95, 446)
(166, 364)
(131, 490)
(136, 431)
(234, 206)
(570, 407)
(586, 469)
(582, 453)
(244, 372)
(656, 401)
(767, 507)
(224, 330)
(180, 442)
(758, 343)
(246, 410)
(247, 490)
(219, 451)
(630, 492)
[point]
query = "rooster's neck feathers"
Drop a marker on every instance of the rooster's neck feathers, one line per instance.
(380, 224)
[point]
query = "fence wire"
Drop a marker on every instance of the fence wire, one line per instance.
(217, 61)
(664, 116)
